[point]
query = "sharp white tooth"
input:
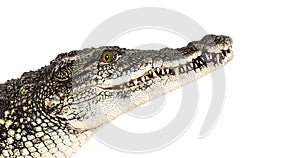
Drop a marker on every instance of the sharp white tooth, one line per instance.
(184, 68)
(207, 56)
(188, 67)
(154, 74)
(147, 78)
(158, 70)
(135, 82)
(167, 71)
(218, 58)
(163, 72)
(143, 78)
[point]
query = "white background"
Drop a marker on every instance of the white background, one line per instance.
(261, 111)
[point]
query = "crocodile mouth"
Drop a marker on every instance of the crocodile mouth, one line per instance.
(150, 75)
(217, 58)
(197, 65)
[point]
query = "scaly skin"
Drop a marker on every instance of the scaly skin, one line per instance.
(53, 111)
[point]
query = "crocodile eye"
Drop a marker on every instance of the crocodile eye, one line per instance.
(107, 57)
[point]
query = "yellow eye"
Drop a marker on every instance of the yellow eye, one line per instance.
(107, 57)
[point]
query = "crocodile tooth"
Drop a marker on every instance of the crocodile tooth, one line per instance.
(158, 70)
(154, 74)
(147, 78)
(181, 69)
(135, 82)
(220, 59)
(200, 61)
(163, 72)
(188, 67)
(194, 65)
(207, 56)
(167, 71)
(143, 79)
(130, 84)
(140, 82)
(150, 74)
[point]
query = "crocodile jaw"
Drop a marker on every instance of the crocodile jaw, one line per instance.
(139, 76)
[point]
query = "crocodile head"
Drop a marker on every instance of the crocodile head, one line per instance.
(108, 81)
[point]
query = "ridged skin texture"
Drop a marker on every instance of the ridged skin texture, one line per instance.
(53, 111)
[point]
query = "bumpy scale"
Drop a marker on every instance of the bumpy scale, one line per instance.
(53, 111)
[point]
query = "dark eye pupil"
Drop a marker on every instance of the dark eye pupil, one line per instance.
(106, 57)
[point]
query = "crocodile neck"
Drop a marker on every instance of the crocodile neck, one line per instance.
(28, 126)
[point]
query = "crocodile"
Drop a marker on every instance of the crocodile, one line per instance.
(53, 111)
